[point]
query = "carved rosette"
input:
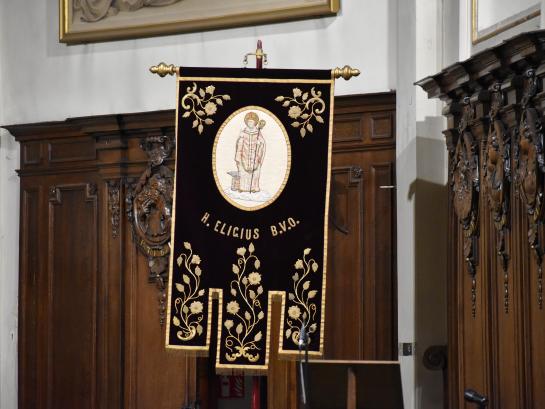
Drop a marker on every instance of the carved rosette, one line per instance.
(497, 180)
(530, 163)
(149, 210)
(465, 186)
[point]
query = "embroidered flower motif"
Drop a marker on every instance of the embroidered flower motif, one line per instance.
(201, 103)
(294, 112)
(210, 108)
(294, 312)
(233, 307)
(196, 307)
(254, 278)
(301, 300)
(187, 304)
(307, 108)
(244, 340)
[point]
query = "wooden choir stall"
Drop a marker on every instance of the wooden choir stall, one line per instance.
(495, 103)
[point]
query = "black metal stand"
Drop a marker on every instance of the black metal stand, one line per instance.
(303, 367)
(475, 397)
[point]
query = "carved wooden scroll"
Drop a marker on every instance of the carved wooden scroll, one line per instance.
(149, 209)
(530, 169)
(465, 186)
(497, 180)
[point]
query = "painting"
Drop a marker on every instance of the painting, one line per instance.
(251, 158)
(492, 17)
(103, 20)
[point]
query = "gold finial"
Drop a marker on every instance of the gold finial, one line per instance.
(162, 69)
(346, 72)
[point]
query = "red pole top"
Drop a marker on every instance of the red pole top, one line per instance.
(259, 55)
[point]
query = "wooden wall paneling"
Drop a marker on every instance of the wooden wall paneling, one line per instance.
(518, 267)
(536, 352)
(31, 272)
(111, 242)
(154, 377)
(90, 332)
(534, 296)
(383, 256)
(282, 388)
(345, 265)
(453, 313)
(361, 270)
(361, 254)
(72, 321)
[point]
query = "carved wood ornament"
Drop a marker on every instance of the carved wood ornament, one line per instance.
(149, 209)
(497, 180)
(530, 169)
(114, 205)
(465, 186)
(497, 351)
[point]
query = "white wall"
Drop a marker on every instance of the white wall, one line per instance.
(405, 176)
(43, 80)
(467, 49)
(9, 243)
(52, 81)
(491, 12)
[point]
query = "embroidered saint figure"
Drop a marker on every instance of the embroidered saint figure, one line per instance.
(249, 155)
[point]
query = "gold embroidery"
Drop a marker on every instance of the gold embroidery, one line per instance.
(189, 307)
(304, 109)
(247, 287)
(202, 106)
(302, 311)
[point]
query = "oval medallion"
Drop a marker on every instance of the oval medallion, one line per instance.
(251, 158)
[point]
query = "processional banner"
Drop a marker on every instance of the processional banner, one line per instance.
(253, 159)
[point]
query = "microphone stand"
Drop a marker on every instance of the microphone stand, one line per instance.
(475, 397)
(303, 365)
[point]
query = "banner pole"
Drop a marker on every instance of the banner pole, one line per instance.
(260, 57)
(345, 72)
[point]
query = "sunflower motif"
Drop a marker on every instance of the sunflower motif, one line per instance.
(294, 312)
(254, 278)
(196, 307)
(294, 112)
(233, 307)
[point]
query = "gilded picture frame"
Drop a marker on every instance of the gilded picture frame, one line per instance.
(480, 35)
(84, 21)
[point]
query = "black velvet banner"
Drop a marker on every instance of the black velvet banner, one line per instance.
(253, 159)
